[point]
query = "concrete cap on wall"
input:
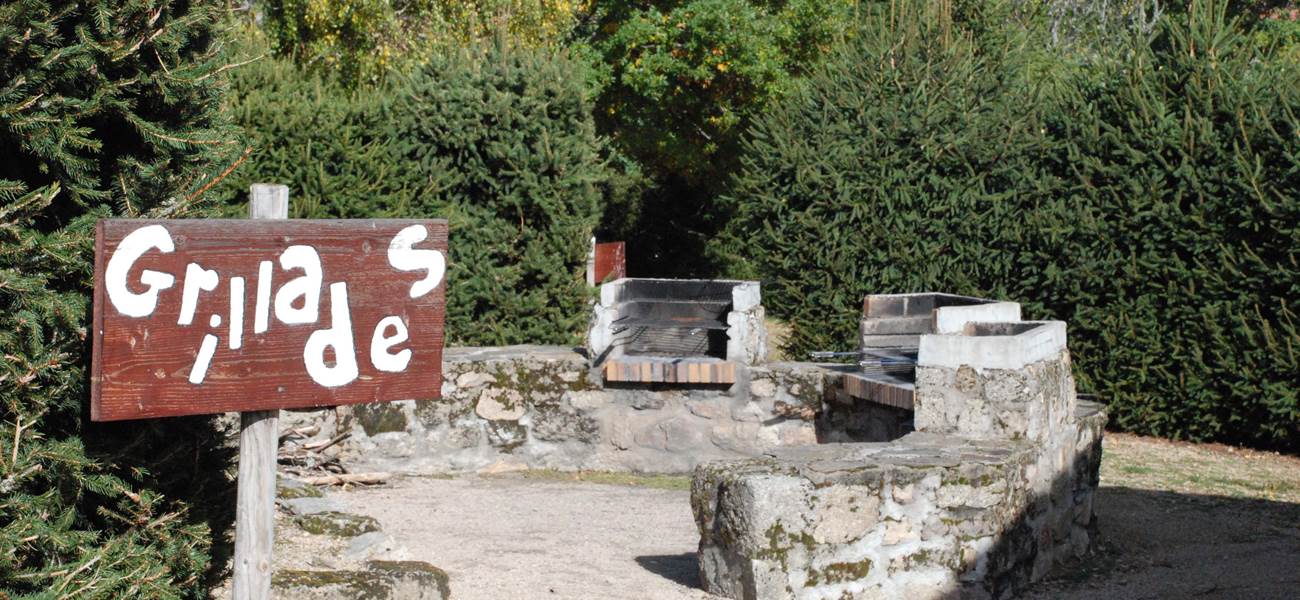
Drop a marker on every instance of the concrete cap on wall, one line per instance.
(953, 319)
(744, 294)
(998, 345)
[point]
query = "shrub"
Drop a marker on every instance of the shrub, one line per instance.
(310, 132)
(866, 180)
(1176, 254)
(497, 139)
(501, 141)
(1146, 199)
(680, 82)
(108, 108)
(363, 41)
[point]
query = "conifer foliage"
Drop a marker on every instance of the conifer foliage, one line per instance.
(502, 141)
(1146, 198)
(107, 108)
(495, 137)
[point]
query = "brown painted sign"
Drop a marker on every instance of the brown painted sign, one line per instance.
(206, 316)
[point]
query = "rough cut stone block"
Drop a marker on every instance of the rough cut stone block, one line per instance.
(953, 319)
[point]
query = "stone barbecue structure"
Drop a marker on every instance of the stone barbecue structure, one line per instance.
(953, 460)
(694, 331)
(994, 485)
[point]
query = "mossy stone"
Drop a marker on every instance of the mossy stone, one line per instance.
(379, 418)
(381, 580)
(289, 489)
(330, 585)
(412, 578)
(337, 524)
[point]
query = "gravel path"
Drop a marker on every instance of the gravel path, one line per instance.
(508, 537)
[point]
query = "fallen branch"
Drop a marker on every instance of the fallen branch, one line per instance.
(305, 431)
(345, 478)
(323, 444)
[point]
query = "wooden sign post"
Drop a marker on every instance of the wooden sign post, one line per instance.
(210, 315)
(259, 433)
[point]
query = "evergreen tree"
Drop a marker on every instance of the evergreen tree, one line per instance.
(107, 108)
(497, 138)
(500, 139)
(1146, 197)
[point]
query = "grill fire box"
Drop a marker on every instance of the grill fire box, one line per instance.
(891, 330)
(685, 331)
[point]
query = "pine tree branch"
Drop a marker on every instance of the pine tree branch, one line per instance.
(229, 66)
(248, 150)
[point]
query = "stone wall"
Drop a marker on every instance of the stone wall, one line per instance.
(930, 516)
(543, 407)
(993, 488)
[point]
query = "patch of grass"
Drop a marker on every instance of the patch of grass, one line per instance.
(1209, 469)
(777, 333)
(652, 481)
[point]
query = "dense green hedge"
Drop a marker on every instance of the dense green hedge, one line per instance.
(497, 139)
(1147, 198)
(325, 142)
(107, 108)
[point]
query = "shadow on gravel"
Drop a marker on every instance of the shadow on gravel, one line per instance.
(1157, 544)
(681, 569)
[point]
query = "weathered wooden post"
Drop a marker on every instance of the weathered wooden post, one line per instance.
(259, 432)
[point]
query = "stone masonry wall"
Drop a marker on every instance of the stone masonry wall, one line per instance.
(927, 517)
(542, 407)
(993, 488)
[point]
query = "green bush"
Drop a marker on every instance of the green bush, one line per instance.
(497, 139)
(1176, 257)
(1146, 198)
(686, 76)
(866, 179)
(108, 108)
(308, 131)
(501, 141)
(680, 81)
(364, 41)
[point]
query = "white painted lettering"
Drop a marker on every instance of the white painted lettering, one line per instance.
(338, 337)
(306, 287)
(132, 247)
(236, 338)
(391, 362)
(206, 349)
(196, 278)
(404, 258)
(262, 312)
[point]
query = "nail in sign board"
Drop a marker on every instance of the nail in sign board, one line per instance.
(206, 316)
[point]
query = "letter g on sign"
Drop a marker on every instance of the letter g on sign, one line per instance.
(131, 248)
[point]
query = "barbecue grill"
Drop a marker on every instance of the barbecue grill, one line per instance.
(676, 330)
(891, 330)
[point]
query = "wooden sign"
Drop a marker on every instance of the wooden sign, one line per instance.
(206, 316)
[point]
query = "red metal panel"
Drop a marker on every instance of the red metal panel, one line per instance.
(149, 358)
(611, 262)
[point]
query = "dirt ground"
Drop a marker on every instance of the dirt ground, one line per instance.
(1177, 521)
(1185, 520)
(526, 537)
